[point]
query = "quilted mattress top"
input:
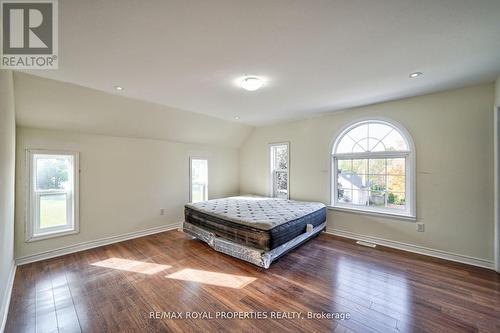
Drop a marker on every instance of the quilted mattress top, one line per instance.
(258, 212)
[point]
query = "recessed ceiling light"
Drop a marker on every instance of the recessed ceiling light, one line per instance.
(251, 83)
(119, 88)
(415, 74)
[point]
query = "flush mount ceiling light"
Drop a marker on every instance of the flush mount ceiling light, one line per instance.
(251, 83)
(415, 74)
(119, 88)
(237, 117)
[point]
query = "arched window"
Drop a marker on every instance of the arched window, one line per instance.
(373, 169)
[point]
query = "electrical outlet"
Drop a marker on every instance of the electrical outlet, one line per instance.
(420, 227)
(163, 211)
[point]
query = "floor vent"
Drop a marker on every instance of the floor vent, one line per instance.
(366, 244)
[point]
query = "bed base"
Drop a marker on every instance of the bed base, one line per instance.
(257, 257)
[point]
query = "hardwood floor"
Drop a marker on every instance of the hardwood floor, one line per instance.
(115, 288)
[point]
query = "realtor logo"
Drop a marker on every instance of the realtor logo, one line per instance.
(29, 34)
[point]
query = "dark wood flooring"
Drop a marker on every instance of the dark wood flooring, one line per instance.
(115, 288)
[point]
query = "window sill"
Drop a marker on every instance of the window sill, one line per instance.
(39, 237)
(404, 217)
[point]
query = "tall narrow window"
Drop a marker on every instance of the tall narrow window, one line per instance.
(198, 180)
(53, 194)
(279, 170)
(373, 167)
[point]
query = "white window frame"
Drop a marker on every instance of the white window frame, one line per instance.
(272, 171)
(33, 232)
(191, 158)
(410, 170)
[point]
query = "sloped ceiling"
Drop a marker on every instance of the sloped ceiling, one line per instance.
(49, 104)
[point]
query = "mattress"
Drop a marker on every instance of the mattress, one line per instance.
(257, 222)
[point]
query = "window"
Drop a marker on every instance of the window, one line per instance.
(53, 194)
(279, 170)
(373, 169)
(198, 180)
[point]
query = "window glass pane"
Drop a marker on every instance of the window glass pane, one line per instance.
(53, 173)
(281, 184)
(396, 200)
(377, 199)
(377, 133)
(199, 170)
(394, 142)
(360, 166)
(53, 208)
(344, 165)
(376, 146)
(396, 166)
(344, 195)
(345, 145)
(376, 166)
(199, 180)
(358, 149)
(352, 174)
(198, 192)
(360, 197)
(281, 157)
(377, 183)
(361, 146)
(396, 183)
(358, 133)
(352, 180)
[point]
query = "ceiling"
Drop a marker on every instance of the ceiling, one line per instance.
(316, 56)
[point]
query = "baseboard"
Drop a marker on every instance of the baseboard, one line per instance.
(414, 248)
(92, 244)
(4, 308)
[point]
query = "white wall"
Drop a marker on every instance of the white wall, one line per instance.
(7, 177)
(124, 182)
(453, 134)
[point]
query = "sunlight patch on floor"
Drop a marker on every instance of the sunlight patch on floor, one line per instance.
(132, 265)
(213, 278)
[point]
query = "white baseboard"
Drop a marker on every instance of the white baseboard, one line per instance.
(4, 306)
(92, 244)
(414, 248)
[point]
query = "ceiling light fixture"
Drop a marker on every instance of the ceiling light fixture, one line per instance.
(251, 83)
(237, 117)
(415, 74)
(119, 88)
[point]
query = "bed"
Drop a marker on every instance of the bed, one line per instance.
(256, 229)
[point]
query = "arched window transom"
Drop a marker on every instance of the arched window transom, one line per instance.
(373, 169)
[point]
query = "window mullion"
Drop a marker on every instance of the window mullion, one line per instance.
(368, 180)
(386, 191)
(49, 192)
